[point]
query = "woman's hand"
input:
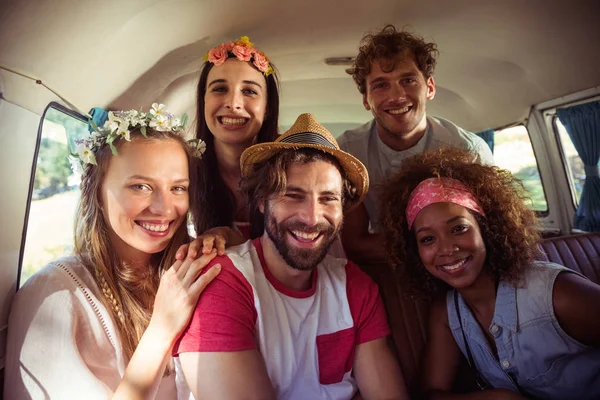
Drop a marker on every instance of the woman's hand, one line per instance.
(177, 295)
(216, 238)
(176, 298)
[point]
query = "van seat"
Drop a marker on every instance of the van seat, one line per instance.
(580, 253)
(408, 318)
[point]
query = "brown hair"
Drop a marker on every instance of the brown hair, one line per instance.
(386, 47)
(508, 228)
(269, 178)
(210, 192)
(128, 291)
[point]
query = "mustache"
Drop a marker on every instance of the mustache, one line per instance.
(318, 228)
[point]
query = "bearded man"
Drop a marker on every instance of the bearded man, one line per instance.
(284, 319)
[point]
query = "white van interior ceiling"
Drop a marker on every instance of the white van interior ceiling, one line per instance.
(497, 59)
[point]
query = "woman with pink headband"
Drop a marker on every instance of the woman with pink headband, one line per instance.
(463, 234)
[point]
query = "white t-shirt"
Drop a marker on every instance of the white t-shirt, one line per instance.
(364, 143)
(62, 342)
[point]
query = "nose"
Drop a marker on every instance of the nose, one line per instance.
(447, 246)
(162, 204)
(234, 100)
(310, 211)
(397, 92)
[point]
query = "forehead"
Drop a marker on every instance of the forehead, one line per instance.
(399, 66)
(317, 176)
(439, 213)
(158, 159)
(234, 70)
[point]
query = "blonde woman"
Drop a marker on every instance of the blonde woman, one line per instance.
(101, 323)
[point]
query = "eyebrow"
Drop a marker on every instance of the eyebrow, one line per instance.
(410, 73)
(147, 178)
(323, 193)
(383, 79)
(248, 82)
(378, 79)
(451, 220)
(294, 189)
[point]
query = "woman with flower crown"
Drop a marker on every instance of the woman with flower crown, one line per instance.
(237, 106)
(101, 323)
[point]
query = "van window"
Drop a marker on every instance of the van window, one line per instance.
(55, 191)
(513, 151)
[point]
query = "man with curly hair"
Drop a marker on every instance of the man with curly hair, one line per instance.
(394, 73)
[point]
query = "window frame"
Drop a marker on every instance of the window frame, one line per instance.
(538, 213)
(565, 162)
(61, 108)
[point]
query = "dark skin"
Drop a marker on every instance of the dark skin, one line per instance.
(576, 303)
(360, 245)
(452, 249)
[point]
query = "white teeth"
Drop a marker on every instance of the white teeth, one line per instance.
(454, 266)
(400, 110)
(232, 121)
(304, 235)
(154, 228)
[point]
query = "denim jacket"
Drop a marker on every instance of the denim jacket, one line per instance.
(535, 356)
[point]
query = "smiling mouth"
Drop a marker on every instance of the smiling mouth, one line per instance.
(399, 111)
(158, 228)
(455, 265)
(228, 121)
(305, 237)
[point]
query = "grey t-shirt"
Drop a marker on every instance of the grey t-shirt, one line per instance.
(364, 143)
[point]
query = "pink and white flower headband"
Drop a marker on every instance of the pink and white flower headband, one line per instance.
(439, 190)
(243, 49)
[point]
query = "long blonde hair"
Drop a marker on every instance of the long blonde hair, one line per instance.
(128, 291)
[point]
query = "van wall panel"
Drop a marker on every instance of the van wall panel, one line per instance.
(18, 133)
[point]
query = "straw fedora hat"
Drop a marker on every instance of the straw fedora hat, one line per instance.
(307, 132)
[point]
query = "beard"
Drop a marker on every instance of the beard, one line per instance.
(298, 258)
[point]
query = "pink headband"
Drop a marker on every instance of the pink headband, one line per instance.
(439, 190)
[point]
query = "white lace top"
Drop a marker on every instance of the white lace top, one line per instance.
(62, 342)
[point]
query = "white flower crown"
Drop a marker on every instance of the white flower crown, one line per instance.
(120, 124)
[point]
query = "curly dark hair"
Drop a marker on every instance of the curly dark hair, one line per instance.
(508, 228)
(386, 46)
